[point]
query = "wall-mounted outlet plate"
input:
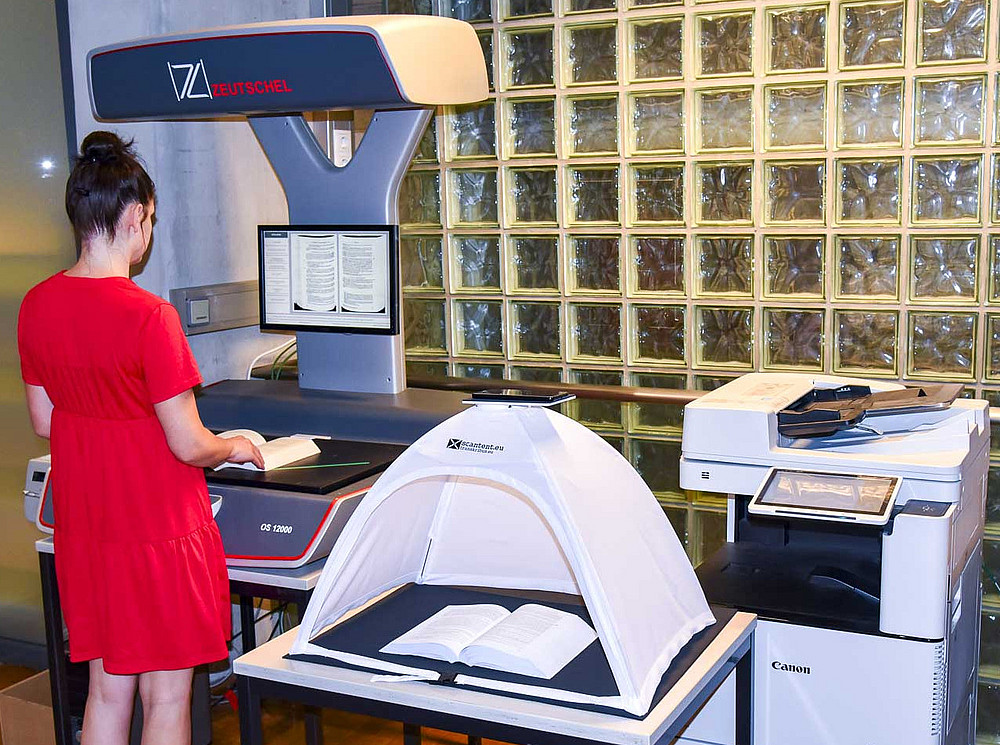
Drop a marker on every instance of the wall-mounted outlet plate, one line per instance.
(227, 305)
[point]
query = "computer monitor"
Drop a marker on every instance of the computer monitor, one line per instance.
(329, 278)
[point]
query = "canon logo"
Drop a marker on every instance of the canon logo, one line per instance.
(791, 668)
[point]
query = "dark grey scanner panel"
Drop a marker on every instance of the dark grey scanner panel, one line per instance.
(273, 528)
(269, 72)
(241, 74)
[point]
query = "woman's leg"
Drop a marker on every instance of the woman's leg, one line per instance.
(109, 707)
(166, 707)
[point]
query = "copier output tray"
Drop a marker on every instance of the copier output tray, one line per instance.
(825, 411)
(803, 585)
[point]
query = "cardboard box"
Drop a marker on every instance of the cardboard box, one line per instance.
(26, 712)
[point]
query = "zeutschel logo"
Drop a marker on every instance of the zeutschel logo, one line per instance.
(784, 667)
(190, 80)
(455, 443)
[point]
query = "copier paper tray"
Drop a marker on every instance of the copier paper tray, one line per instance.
(825, 411)
(808, 586)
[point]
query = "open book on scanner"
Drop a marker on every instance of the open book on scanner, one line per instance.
(533, 640)
(277, 453)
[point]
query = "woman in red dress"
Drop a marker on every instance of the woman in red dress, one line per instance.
(108, 374)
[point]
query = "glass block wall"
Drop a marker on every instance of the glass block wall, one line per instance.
(673, 193)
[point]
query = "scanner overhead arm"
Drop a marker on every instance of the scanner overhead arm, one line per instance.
(366, 62)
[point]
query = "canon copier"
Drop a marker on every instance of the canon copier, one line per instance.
(855, 521)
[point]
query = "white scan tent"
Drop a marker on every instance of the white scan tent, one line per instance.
(521, 497)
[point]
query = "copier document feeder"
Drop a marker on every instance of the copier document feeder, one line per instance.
(854, 530)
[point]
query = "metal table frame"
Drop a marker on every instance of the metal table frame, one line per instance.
(266, 674)
(294, 586)
(248, 590)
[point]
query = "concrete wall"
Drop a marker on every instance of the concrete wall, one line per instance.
(35, 241)
(214, 184)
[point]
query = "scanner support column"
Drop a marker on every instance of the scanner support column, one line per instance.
(364, 191)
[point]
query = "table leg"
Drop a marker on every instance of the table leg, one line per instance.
(56, 648)
(248, 623)
(744, 698)
(251, 731)
(411, 734)
(314, 726)
(314, 715)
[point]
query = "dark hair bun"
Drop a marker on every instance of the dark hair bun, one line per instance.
(104, 147)
(107, 176)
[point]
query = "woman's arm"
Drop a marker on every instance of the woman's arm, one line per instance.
(39, 409)
(194, 445)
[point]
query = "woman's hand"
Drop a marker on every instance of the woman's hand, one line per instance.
(191, 443)
(244, 451)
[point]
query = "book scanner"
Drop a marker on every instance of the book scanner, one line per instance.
(400, 66)
(855, 523)
(351, 385)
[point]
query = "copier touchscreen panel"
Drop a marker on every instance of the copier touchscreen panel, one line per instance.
(827, 495)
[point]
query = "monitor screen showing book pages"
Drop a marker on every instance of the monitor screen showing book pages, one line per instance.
(329, 277)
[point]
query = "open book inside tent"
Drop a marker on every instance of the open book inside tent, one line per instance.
(521, 498)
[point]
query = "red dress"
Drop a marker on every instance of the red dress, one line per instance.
(139, 559)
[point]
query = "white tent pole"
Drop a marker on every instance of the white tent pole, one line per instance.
(440, 513)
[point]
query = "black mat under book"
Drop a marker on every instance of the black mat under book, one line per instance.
(338, 463)
(589, 673)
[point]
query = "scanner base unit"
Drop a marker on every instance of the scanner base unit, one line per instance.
(264, 528)
(289, 518)
(869, 632)
(36, 491)
(282, 529)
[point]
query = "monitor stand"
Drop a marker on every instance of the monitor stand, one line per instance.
(363, 192)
